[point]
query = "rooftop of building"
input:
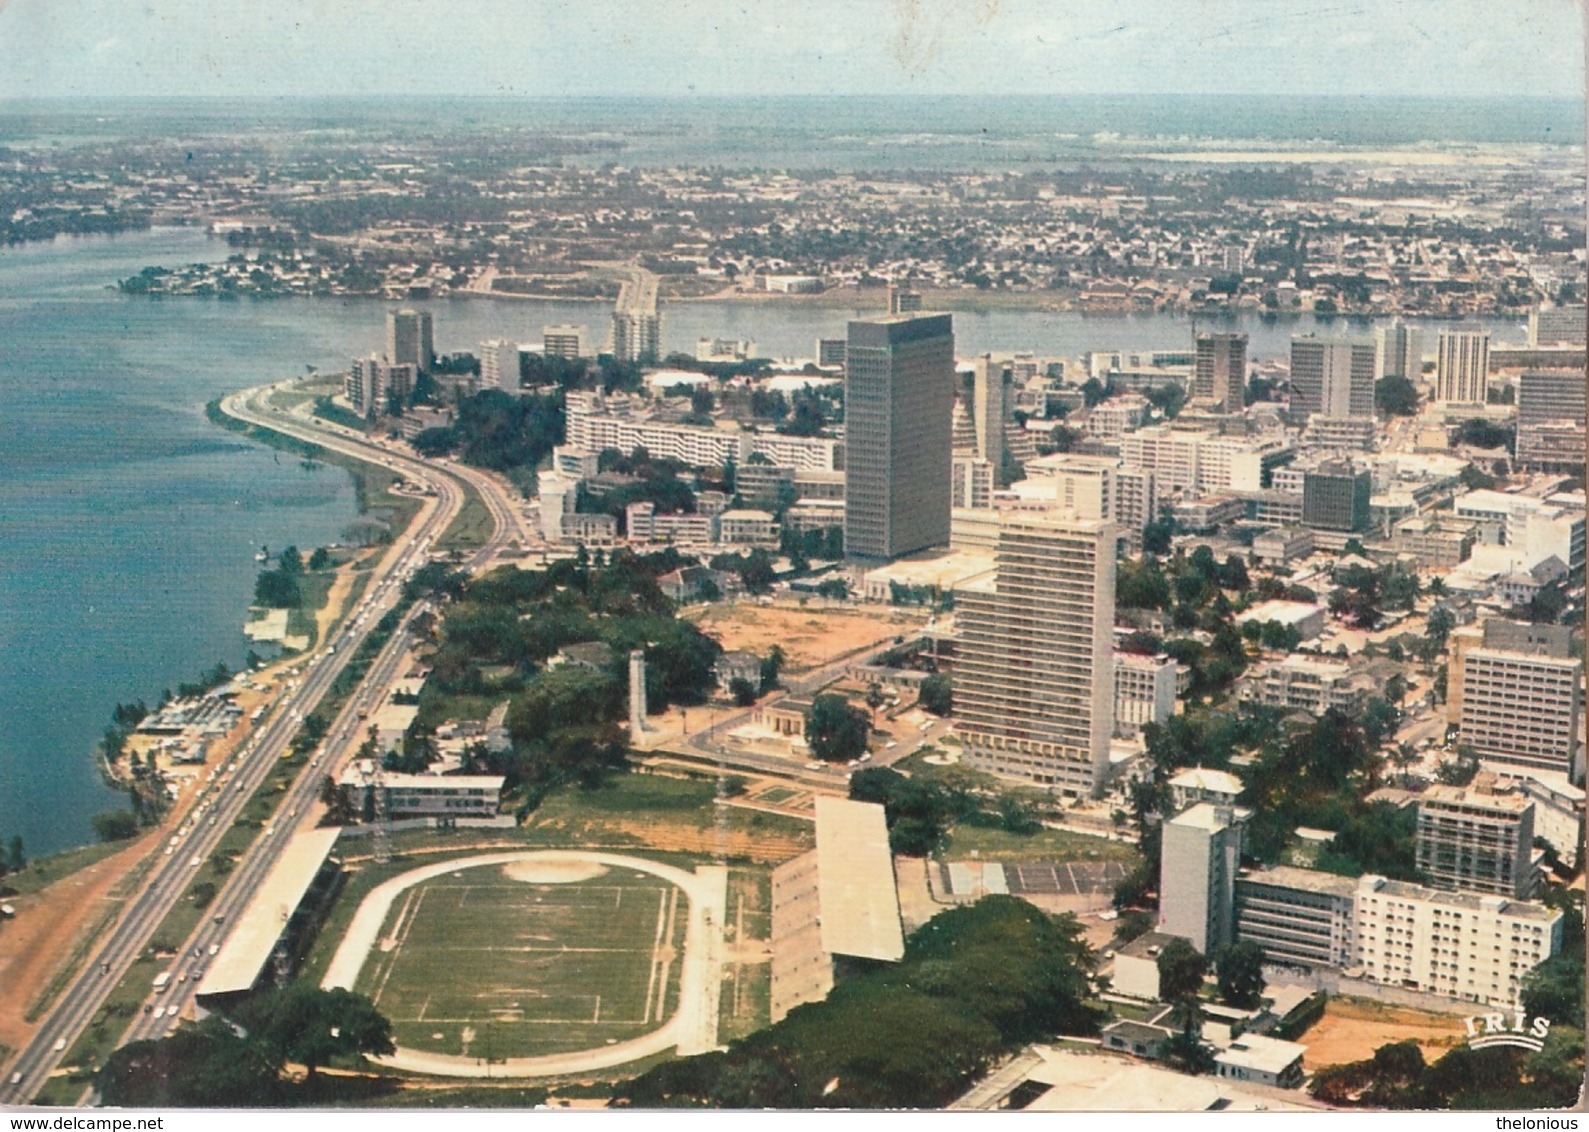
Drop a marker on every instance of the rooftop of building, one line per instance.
(1147, 946)
(1285, 612)
(246, 951)
(1261, 1054)
(1206, 815)
(1468, 901)
(1206, 778)
(855, 877)
(1478, 795)
(1303, 880)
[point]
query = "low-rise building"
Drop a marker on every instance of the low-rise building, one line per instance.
(1305, 617)
(1261, 1060)
(747, 527)
(1436, 542)
(1304, 683)
(1202, 784)
(1282, 546)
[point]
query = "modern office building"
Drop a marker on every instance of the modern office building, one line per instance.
(1034, 678)
(990, 409)
(410, 339)
(1521, 697)
(563, 341)
(1462, 366)
(1558, 326)
(1197, 876)
(1550, 420)
(1219, 375)
(636, 335)
(1298, 916)
(1401, 351)
(1335, 497)
(1477, 839)
(499, 365)
(899, 390)
(1333, 377)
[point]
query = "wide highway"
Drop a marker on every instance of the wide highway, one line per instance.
(225, 795)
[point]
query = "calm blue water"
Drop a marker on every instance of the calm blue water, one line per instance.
(128, 523)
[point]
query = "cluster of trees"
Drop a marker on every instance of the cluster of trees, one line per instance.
(1499, 1077)
(13, 858)
(754, 568)
(659, 483)
(1312, 775)
(837, 730)
(1363, 593)
(819, 542)
(1395, 396)
(564, 721)
(499, 431)
(241, 1062)
(920, 811)
(281, 588)
(975, 983)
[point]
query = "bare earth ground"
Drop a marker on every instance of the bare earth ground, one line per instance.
(46, 929)
(1353, 1029)
(808, 637)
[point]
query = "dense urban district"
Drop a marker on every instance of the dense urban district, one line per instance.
(1151, 728)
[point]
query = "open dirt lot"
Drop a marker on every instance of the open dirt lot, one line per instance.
(1352, 1029)
(808, 637)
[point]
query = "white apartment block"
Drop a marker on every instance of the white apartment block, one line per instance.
(499, 365)
(1229, 463)
(1034, 680)
(1522, 710)
(1456, 945)
(1144, 691)
(1170, 454)
(1538, 527)
(1197, 875)
(1112, 419)
(1471, 947)
(594, 424)
(1299, 683)
(747, 527)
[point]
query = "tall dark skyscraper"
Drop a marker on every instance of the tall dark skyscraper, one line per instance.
(1221, 373)
(899, 391)
(410, 339)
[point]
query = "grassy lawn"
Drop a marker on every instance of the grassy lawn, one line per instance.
(472, 527)
(746, 1002)
(313, 589)
(991, 844)
(775, 795)
(628, 808)
(479, 964)
(437, 707)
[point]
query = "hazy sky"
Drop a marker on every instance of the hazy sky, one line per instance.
(675, 47)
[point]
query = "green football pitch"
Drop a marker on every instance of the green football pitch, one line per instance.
(478, 964)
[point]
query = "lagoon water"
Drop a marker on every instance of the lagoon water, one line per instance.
(128, 523)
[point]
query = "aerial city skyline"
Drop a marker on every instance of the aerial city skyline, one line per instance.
(973, 556)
